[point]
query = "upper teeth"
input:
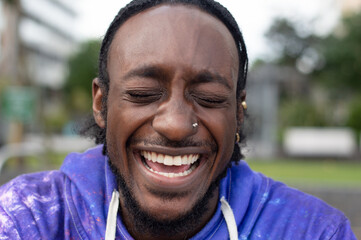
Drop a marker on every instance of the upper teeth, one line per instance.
(170, 160)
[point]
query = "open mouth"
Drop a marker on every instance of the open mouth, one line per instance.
(170, 166)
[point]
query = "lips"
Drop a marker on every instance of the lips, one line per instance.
(170, 166)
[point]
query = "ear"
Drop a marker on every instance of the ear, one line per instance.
(240, 110)
(97, 103)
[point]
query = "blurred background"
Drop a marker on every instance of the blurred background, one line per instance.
(303, 93)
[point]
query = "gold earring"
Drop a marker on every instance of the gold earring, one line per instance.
(238, 138)
(244, 105)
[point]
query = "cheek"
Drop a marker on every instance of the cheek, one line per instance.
(226, 138)
(221, 123)
(114, 136)
(121, 122)
(124, 120)
(222, 126)
(226, 147)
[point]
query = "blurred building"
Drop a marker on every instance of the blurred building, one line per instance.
(264, 86)
(36, 39)
(38, 36)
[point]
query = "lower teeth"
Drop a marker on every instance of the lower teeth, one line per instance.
(172, 175)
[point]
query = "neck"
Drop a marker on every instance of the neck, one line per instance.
(194, 225)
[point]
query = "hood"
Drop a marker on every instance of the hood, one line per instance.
(91, 184)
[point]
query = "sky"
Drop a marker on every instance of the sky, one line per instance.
(253, 16)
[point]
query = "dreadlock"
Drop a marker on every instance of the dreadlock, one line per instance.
(91, 129)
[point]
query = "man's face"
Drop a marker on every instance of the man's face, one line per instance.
(171, 67)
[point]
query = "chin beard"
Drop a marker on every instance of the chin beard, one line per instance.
(148, 224)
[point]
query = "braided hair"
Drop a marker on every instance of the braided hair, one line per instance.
(91, 129)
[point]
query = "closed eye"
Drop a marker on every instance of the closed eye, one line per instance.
(210, 101)
(143, 96)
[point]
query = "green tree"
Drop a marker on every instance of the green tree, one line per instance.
(354, 118)
(342, 55)
(82, 70)
(301, 113)
(331, 63)
(341, 73)
(290, 41)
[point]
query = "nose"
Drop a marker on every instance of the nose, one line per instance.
(175, 120)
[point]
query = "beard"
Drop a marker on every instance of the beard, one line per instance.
(145, 223)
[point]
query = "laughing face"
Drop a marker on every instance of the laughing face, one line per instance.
(171, 110)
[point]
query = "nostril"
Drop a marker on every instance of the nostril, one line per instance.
(175, 127)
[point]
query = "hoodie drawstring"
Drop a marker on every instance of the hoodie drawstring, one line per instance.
(113, 212)
(230, 220)
(112, 217)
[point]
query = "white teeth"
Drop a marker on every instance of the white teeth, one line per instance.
(178, 160)
(160, 157)
(184, 159)
(172, 175)
(153, 155)
(170, 160)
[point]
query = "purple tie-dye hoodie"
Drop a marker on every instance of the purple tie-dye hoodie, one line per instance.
(73, 204)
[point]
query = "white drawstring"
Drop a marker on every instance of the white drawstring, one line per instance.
(230, 220)
(112, 217)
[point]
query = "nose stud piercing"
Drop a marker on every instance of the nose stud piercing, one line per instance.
(194, 125)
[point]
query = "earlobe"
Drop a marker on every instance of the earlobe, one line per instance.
(97, 103)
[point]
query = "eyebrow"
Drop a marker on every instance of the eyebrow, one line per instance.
(207, 77)
(159, 73)
(147, 71)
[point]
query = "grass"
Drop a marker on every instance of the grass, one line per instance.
(296, 172)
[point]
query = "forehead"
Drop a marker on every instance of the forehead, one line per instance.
(168, 31)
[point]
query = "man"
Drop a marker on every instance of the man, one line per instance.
(168, 110)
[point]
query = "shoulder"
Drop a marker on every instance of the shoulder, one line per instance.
(299, 215)
(42, 183)
(275, 209)
(45, 205)
(29, 203)
(275, 194)
(32, 186)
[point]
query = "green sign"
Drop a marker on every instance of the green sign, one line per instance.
(18, 103)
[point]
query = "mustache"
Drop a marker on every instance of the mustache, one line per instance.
(164, 142)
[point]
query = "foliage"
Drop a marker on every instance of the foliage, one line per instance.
(290, 43)
(332, 62)
(354, 118)
(55, 120)
(342, 54)
(4, 82)
(10, 1)
(82, 70)
(300, 112)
